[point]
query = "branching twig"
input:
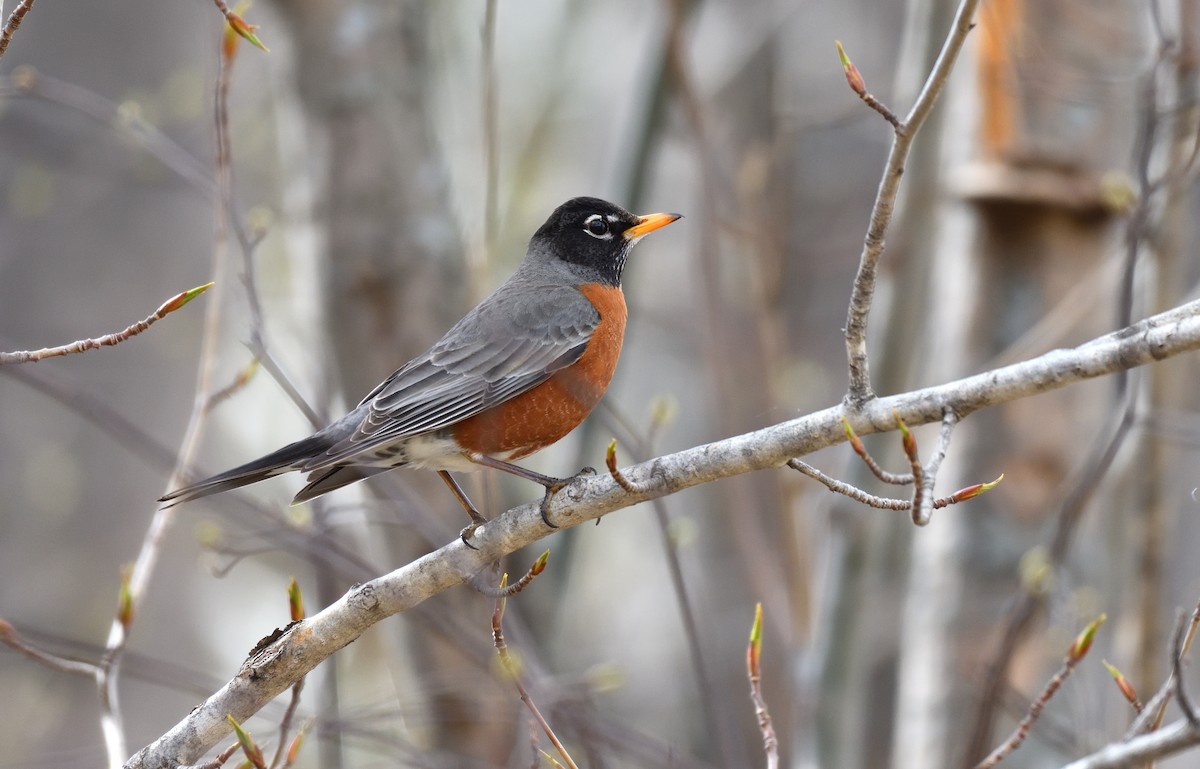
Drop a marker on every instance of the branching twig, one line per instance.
(855, 79)
(108, 340)
(1078, 650)
(1152, 714)
(887, 503)
(859, 390)
(896, 479)
(923, 482)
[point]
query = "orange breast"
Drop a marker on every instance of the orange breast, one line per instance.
(541, 416)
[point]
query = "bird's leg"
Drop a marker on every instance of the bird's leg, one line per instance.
(551, 484)
(477, 518)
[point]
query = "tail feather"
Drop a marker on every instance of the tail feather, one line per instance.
(325, 481)
(278, 462)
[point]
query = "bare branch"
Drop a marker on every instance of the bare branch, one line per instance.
(272, 670)
(108, 340)
(859, 391)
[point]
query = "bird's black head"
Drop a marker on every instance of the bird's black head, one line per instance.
(595, 235)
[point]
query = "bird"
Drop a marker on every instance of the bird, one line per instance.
(516, 374)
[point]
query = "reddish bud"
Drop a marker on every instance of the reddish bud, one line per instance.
(1083, 642)
(853, 77)
(907, 439)
(243, 30)
(1122, 682)
(610, 456)
(855, 442)
(970, 492)
(179, 300)
(293, 751)
(754, 648)
(540, 564)
(253, 753)
(125, 598)
(295, 601)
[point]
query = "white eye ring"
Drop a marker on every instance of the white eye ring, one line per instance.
(601, 232)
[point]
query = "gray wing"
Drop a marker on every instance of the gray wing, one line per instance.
(515, 340)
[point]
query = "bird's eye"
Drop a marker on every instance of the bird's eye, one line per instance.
(596, 226)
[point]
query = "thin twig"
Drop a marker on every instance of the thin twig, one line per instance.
(643, 446)
(895, 479)
(28, 82)
(14, 21)
(923, 511)
(508, 591)
(222, 757)
(610, 461)
(513, 671)
(1177, 656)
(1079, 649)
(10, 638)
(848, 490)
(140, 573)
(859, 390)
(855, 79)
(1150, 718)
(754, 673)
(887, 503)
(285, 724)
(228, 391)
(1103, 453)
(108, 340)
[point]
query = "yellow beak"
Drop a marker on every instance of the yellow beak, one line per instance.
(650, 223)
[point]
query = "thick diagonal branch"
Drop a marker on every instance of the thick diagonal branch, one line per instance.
(306, 644)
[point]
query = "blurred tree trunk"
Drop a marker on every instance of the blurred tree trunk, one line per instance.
(392, 267)
(1025, 235)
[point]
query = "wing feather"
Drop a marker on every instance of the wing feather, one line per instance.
(492, 355)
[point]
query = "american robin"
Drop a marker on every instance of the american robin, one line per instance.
(518, 373)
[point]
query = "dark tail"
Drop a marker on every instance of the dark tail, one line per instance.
(282, 461)
(325, 481)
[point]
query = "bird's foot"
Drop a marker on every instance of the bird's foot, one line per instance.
(468, 532)
(555, 485)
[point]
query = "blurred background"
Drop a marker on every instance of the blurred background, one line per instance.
(390, 161)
